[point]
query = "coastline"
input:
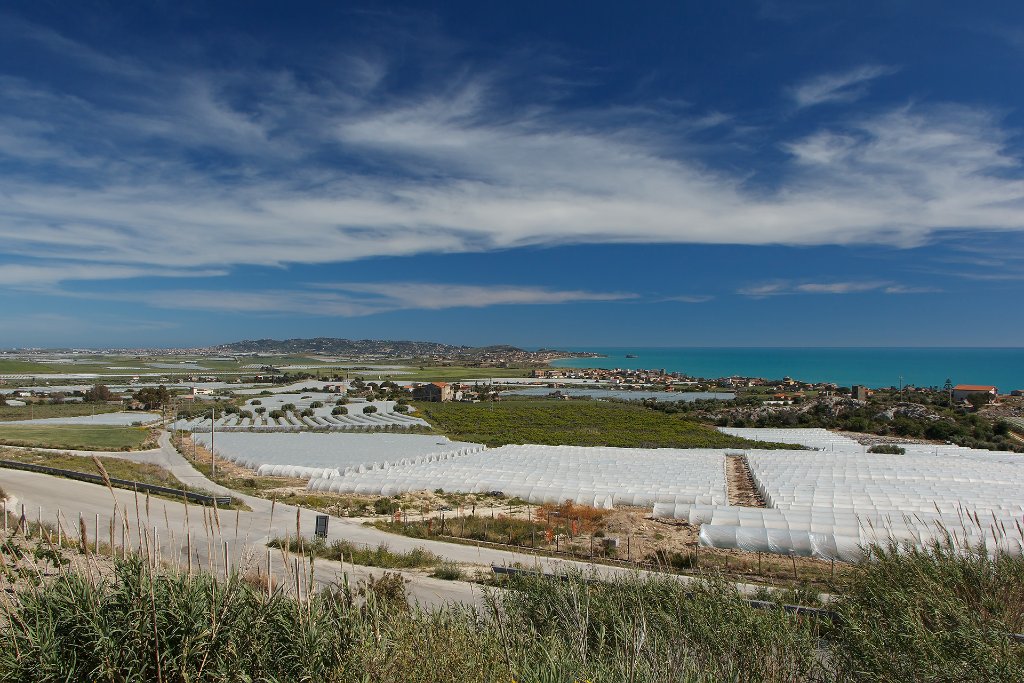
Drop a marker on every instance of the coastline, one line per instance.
(874, 367)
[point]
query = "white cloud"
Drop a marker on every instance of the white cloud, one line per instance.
(27, 275)
(304, 172)
(838, 87)
(358, 299)
(782, 287)
(690, 298)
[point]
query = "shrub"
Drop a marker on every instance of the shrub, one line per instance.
(339, 410)
(316, 404)
(449, 571)
(370, 409)
(401, 408)
(890, 448)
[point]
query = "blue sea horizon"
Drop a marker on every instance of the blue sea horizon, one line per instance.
(1002, 367)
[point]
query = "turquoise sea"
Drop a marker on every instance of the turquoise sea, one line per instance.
(872, 367)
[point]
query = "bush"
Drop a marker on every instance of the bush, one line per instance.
(890, 448)
(308, 412)
(277, 414)
(316, 404)
(339, 410)
(369, 409)
(449, 571)
(257, 402)
(341, 402)
(261, 410)
(288, 406)
(385, 506)
(401, 408)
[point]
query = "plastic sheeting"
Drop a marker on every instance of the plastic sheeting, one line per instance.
(601, 477)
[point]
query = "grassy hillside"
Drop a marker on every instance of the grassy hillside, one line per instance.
(74, 437)
(573, 423)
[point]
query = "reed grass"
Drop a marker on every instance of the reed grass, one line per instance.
(941, 613)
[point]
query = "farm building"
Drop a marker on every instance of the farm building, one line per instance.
(434, 391)
(962, 391)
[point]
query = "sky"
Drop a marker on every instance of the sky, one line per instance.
(751, 173)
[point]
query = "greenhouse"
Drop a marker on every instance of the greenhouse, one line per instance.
(601, 477)
(833, 501)
(307, 455)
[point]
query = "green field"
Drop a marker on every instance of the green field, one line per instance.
(43, 410)
(75, 437)
(572, 423)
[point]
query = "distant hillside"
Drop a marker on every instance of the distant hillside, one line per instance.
(384, 348)
(345, 347)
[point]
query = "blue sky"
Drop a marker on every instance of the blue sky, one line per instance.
(580, 173)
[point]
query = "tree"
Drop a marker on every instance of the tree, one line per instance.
(339, 410)
(979, 399)
(401, 408)
(100, 393)
(153, 397)
(370, 409)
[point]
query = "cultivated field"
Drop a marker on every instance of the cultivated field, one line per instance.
(74, 437)
(48, 410)
(572, 423)
(114, 419)
(358, 415)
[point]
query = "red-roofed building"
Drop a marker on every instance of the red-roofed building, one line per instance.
(435, 391)
(962, 391)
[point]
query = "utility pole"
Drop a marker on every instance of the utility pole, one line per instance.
(213, 458)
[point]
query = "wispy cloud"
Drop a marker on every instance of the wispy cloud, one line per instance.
(690, 298)
(157, 167)
(846, 86)
(44, 275)
(358, 299)
(784, 287)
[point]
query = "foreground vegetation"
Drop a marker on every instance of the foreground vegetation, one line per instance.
(76, 437)
(354, 553)
(573, 423)
(909, 616)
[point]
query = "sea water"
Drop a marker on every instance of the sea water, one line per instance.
(872, 367)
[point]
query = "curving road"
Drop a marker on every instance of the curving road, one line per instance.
(246, 533)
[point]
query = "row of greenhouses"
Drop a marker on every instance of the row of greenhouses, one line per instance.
(597, 476)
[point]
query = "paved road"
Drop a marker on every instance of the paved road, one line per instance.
(246, 533)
